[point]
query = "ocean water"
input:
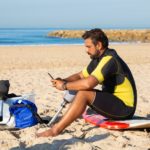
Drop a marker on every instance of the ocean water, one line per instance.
(32, 37)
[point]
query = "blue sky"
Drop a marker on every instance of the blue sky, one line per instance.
(75, 13)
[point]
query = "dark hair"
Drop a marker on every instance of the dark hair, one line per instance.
(96, 35)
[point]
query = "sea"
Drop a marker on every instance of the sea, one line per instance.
(32, 36)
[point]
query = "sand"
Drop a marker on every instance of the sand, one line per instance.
(26, 68)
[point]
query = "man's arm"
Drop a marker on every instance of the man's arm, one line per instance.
(83, 84)
(74, 77)
(104, 69)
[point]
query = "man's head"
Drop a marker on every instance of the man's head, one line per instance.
(96, 41)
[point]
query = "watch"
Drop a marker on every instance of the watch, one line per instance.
(64, 86)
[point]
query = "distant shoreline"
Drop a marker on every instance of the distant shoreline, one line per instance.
(71, 44)
(138, 35)
(60, 36)
(34, 45)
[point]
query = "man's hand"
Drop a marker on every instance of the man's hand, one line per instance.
(58, 84)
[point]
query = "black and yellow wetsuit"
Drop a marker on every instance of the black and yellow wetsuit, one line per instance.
(118, 97)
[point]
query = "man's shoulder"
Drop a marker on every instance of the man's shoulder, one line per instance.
(111, 52)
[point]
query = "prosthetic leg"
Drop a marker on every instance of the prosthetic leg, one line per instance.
(68, 98)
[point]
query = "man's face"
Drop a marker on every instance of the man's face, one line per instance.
(92, 50)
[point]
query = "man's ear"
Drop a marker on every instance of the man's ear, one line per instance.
(99, 46)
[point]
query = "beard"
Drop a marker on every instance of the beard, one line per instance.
(96, 55)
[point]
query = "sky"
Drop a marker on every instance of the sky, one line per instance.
(75, 14)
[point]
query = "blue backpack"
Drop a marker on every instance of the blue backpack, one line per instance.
(25, 113)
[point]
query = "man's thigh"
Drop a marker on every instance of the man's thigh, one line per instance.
(110, 106)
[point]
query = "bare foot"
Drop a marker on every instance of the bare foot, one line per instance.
(50, 132)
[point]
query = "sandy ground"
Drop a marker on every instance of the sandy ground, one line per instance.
(26, 67)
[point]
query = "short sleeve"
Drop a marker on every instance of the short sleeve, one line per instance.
(85, 72)
(106, 67)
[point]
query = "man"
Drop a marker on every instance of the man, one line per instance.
(116, 100)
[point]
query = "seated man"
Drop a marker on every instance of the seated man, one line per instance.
(118, 97)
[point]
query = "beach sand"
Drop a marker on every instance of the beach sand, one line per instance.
(26, 68)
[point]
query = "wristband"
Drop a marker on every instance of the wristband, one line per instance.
(64, 80)
(64, 86)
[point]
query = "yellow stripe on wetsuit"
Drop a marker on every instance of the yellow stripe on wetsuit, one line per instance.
(97, 73)
(85, 72)
(124, 91)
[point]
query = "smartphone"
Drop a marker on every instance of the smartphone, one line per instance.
(50, 75)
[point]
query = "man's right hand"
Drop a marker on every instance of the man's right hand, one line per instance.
(58, 84)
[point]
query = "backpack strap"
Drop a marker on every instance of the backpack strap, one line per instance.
(39, 119)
